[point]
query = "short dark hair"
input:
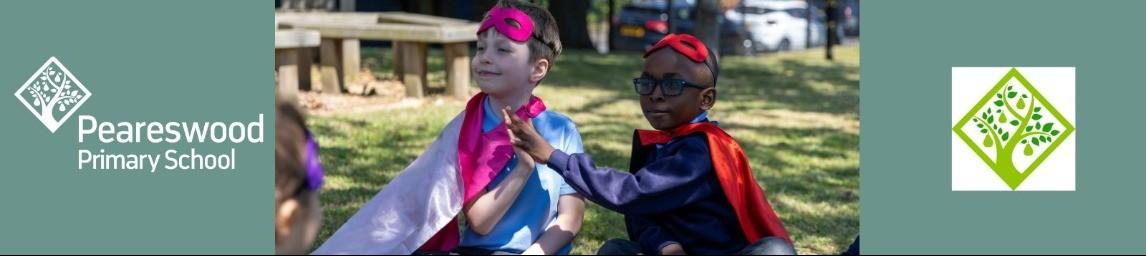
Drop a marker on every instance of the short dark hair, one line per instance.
(545, 41)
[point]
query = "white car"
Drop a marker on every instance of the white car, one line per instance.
(779, 25)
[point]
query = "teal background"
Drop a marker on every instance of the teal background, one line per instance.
(143, 61)
(909, 48)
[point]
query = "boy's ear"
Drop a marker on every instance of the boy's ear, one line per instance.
(540, 69)
(284, 216)
(707, 98)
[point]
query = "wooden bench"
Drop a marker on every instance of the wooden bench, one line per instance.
(339, 52)
(291, 61)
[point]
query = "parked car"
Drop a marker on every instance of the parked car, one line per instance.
(782, 25)
(641, 24)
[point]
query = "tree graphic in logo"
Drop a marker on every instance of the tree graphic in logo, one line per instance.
(53, 94)
(1013, 128)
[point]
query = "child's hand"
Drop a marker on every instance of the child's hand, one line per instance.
(672, 249)
(525, 138)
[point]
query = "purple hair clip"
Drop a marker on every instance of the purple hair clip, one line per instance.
(314, 174)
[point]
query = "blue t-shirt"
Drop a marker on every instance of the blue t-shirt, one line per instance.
(526, 220)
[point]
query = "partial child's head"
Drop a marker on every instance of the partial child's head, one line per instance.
(298, 176)
(517, 44)
(678, 82)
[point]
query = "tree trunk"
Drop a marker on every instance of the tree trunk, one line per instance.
(830, 11)
(346, 6)
(1005, 164)
(571, 17)
(708, 17)
(480, 7)
(47, 111)
(609, 24)
(1004, 154)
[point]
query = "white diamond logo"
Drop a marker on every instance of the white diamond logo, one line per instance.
(53, 94)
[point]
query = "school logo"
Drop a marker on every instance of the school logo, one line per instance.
(1016, 136)
(53, 94)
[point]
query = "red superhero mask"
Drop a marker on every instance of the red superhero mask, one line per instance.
(688, 46)
(684, 44)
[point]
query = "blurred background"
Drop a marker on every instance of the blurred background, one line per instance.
(746, 27)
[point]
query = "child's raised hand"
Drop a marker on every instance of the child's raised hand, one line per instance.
(524, 160)
(525, 138)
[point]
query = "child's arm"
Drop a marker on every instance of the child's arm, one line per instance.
(570, 212)
(484, 212)
(686, 175)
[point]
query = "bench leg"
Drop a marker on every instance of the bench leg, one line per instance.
(397, 53)
(351, 61)
(457, 70)
(305, 58)
(413, 64)
(328, 70)
(287, 60)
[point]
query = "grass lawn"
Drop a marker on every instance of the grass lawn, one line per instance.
(795, 114)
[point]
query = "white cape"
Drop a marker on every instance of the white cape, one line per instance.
(411, 208)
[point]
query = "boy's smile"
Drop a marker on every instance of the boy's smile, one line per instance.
(665, 112)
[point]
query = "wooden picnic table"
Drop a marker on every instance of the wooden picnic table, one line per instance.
(340, 57)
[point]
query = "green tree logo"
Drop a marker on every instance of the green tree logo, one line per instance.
(1012, 124)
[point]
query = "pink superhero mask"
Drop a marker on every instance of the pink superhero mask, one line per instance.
(500, 17)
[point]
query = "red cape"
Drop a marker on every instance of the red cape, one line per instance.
(757, 219)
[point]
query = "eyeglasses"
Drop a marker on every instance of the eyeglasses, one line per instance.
(669, 87)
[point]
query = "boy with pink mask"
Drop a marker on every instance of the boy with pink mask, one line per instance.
(510, 204)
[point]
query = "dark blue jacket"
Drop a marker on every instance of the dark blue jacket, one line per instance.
(671, 195)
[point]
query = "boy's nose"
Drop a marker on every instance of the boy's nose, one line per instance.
(483, 57)
(657, 94)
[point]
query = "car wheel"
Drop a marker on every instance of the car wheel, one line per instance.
(784, 46)
(748, 47)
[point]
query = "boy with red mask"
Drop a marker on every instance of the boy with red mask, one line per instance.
(690, 188)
